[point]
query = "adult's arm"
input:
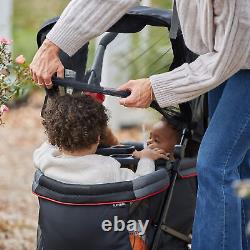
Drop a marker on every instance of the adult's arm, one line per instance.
(81, 21)
(228, 55)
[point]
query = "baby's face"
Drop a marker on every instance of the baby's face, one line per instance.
(163, 137)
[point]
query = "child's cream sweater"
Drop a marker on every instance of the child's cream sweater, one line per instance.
(218, 30)
(89, 169)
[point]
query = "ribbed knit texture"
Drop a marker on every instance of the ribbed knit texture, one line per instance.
(221, 35)
(218, 30)
(83, 20)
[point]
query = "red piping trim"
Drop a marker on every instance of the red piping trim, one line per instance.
(188, 176)
(101, 203)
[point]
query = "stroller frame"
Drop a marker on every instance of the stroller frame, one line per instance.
(143, 16)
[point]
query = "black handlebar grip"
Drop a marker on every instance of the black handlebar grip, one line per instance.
(71, 83)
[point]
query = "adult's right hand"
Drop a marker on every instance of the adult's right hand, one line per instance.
(46, 63)
(141, 93)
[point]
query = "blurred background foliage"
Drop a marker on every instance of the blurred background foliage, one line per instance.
(28, 16)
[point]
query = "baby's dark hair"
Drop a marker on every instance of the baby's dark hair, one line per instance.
(175, 125)
(74, 122)
(192, 145)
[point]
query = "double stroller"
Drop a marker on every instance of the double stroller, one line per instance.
(71, 217)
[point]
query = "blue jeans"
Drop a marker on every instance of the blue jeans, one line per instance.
(224, 157)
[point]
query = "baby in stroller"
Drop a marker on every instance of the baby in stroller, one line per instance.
(74, 125)
(164, 135)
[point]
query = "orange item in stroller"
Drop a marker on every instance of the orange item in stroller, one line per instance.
(137, 242)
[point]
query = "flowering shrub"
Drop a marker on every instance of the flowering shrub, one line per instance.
(13, 73)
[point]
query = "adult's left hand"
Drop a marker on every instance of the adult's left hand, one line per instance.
(141, 93)
(45, 63)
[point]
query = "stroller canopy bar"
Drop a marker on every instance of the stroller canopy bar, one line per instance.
(133, 21)
(137, 18)
(100, 194)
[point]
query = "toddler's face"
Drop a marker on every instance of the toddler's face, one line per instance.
(163, 137)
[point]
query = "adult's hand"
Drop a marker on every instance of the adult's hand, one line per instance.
(141, 93)
(45, 63)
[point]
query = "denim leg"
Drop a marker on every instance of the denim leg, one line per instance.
(217, 224)
(214, 98)
(245, 204)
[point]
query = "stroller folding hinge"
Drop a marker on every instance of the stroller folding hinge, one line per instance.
(176, 234)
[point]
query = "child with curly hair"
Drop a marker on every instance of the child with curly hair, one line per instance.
(74, 125)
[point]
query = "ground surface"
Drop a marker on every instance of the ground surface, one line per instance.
(18, 214)
(20, 135)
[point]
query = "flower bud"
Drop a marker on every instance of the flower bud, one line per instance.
(20, 59)
(6, 41)
(3, 109)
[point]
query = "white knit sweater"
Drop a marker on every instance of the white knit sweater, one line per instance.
(217, 30)
(88, 169)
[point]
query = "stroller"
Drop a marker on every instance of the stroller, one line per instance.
(71, 216)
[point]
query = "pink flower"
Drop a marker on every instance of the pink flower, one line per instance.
(3, 109)
(20, 59)
(4, 40)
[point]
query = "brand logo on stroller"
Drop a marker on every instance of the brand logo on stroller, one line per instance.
(122, 204)
(120, 225)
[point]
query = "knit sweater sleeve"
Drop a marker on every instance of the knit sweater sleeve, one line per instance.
(83, 20)
(211, 69)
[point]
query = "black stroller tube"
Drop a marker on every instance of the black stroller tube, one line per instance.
(96, 70)
(164, 213)
(178, 154)
(77, 85)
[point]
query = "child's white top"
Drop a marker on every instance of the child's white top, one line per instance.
(89, 169)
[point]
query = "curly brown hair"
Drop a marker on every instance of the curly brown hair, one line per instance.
(74, 122)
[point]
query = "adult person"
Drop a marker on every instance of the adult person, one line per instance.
(219, 31)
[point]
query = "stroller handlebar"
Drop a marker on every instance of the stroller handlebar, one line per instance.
(71, 83)
(108, 38)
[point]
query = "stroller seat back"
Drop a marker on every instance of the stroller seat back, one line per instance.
(73, 216)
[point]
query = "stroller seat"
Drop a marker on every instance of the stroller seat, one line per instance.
(71, 216)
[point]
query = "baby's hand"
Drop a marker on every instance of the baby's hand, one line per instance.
(153, 154)
(151, 144)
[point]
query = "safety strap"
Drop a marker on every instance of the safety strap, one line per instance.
(175, 22)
